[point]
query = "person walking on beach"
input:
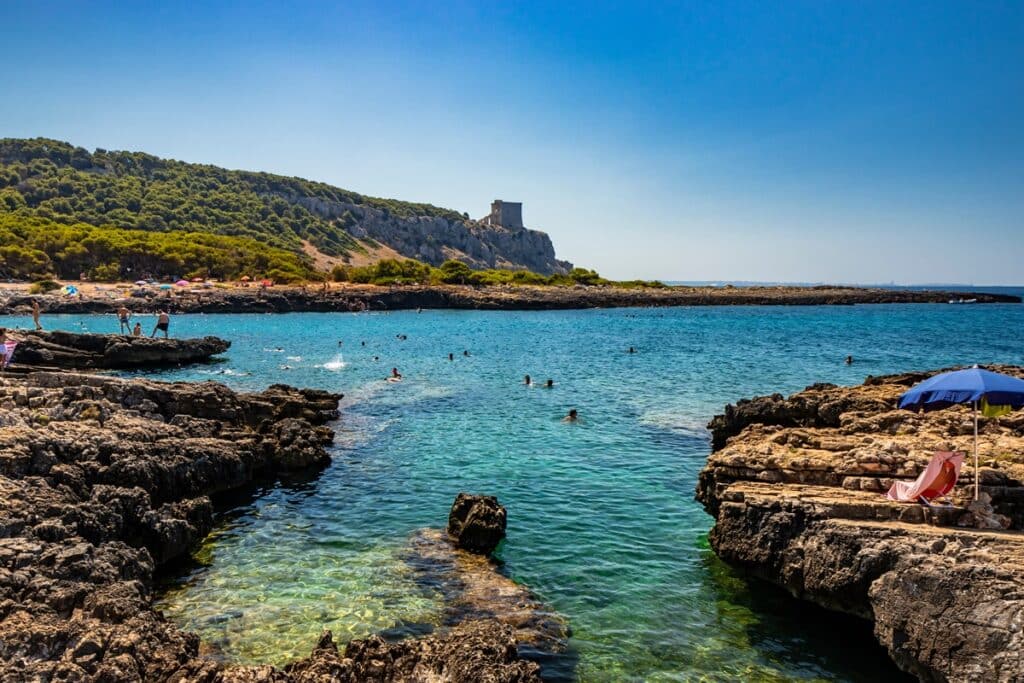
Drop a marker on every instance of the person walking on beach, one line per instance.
(163, 322)
(123, 317)
(35, 314)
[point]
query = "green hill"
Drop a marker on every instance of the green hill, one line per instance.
(131, 190)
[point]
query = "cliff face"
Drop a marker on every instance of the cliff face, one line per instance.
(796, 486)
(435, 239)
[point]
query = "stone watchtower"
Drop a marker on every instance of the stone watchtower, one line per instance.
(506, 214)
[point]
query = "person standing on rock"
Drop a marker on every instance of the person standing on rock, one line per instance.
(123, 317)
(35, 314)
(163, 322)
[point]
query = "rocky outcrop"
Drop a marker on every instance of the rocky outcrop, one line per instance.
(477, 523)
(435, 239)
(108, 351)
(103, 479)
(498, 298)
(471, 652)
(796, 486)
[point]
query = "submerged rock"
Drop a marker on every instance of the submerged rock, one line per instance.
(796, 486)
(109, 351)
(477, 523)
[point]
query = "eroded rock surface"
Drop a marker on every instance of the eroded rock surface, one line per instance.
(101, 480)
(477, 523)
(110, 351)
(796, 486)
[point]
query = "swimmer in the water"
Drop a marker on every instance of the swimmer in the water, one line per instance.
(395, 374)
(362, 343)
(451, 356)
(340, 342)
(527, 381)
(631, 350)
(550, 384)
(376, 357)
(466, 352)
(573, 416)
(849, 360)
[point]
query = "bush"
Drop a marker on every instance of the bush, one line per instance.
(43, 286)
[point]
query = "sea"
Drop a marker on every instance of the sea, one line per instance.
(602, 521)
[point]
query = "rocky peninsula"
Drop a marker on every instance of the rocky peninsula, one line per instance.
(350, 297)
(103, 480)
(71, 350)
(796, 486)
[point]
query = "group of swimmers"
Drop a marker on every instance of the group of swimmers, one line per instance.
(124, 317)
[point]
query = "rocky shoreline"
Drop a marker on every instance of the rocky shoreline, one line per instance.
(796, 486)
(39, 349)
(499, 298)
(103, 480)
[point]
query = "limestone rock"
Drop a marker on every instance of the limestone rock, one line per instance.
(477, 523)
(796, 486)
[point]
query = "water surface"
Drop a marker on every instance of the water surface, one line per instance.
(602, 521)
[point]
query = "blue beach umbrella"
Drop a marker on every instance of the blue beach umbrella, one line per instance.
(959, 387)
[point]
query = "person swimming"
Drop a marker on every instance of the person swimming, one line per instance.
(573, 416)
(849, 360)
(466, 352)
(396, 376)
(451, 356)
(631, 350)
(527, 381)
(550, 384)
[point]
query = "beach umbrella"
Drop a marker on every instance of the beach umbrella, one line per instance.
(197, 279)
(971, 386)
(245, 278)
(267, 283)
(70, 289)
(141, 283)
(182, 283)
(165, 286)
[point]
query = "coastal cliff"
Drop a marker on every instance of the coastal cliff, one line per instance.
(796, 486)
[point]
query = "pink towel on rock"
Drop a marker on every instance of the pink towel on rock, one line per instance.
(937, 480)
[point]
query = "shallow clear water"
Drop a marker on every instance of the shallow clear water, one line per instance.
(602, 521)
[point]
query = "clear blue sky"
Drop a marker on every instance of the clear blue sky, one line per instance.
(800, 141)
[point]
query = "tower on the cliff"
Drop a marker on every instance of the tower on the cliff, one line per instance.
(506, 214)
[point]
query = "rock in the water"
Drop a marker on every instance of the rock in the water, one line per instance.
(477, 651)
(797, 488)
(477, 523)
(110, 351)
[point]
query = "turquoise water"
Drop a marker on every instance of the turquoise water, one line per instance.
(602, 521)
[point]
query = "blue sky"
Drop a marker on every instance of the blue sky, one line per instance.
(796, 141)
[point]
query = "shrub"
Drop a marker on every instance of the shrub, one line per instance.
(43, 286)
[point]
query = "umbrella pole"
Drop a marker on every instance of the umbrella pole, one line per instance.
(975, 450)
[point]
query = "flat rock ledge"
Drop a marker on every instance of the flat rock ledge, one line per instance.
(796, 486)
(102, 480)
(71, 350)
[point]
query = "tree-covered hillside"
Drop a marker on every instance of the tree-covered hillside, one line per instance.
(131, 190)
